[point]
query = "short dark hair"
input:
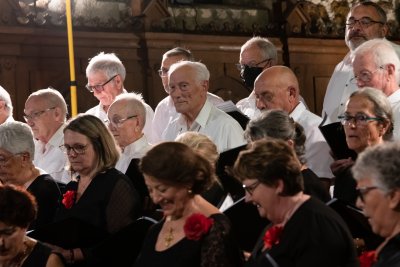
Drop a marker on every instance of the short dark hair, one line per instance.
(177, 164)
(18, 207)
(179, 51)
(270, 160)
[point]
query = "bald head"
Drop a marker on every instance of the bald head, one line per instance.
(277, 88)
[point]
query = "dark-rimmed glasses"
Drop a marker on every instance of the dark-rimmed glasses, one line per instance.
(362, 191)
(241, 67)
(118, 122)
(77, 148)
(99, 87)
(250, 188)
(364, 22)
(5, 160)
(358, 120)
(36, 114)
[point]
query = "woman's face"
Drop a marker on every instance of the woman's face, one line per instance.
(11, 241)
(10, 167)
(264, 197)
(358, 137)
(81, 154)
(173, 200)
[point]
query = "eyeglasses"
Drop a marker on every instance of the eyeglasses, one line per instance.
(118, 122)
(241, 67)
(35, 115)
(362, 191)
(99, 87)
(77, 148)
(364, 22)
(250, 188)
(365, 76)
(4, 160)
(163, 72)
(358, 120)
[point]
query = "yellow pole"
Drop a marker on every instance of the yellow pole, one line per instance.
(74, 101)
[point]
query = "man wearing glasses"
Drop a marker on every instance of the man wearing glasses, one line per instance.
(45, 112)
(106, 74)
(365, 21)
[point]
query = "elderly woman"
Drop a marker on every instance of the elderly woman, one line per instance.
(377, 171)
(193, 232)
(367, 121)
(17, 150)
(101, 196)
(278, 124)
(303, 230)
(18, 209)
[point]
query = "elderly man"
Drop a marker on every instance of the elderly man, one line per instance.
(365, 21)
(45, 112)
(377, 65)
(256, 55)
(165, 110)
(106, 75)
(6, 107)
(126, 120)
(188, 86)
(277, 88)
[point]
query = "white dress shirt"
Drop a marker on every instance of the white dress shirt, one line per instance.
(316, 149)
(223, 130)
(51, 158)
(134, 150)
(394, 100)
(248, 106)
(165, 112)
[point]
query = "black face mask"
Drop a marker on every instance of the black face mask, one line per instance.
(249, 75)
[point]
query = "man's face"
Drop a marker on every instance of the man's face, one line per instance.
(188, 94)
(107, 88)
(165, 65)
(4, 112)
(357, 34)
(270, 95)
(368, 73)
(41, 117)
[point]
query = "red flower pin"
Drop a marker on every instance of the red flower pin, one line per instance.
(367, 258)
(272, 236)
(69, 198)
(196, 226)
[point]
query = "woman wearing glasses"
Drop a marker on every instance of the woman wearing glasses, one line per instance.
(377, 171)
(303, 230)
(101, 196)
(367, 121)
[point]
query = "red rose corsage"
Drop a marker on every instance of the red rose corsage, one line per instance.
(367, 258)
(196, 226)
(272, 236)
(69, 198)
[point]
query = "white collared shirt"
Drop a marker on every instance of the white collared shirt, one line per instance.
(316, 148)
(223, 130)
(165, 112)
(394, 100)
(134, 150)
(51, 158)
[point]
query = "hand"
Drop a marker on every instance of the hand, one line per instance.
(340, 165)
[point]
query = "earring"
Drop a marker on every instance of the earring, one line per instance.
(190, 191)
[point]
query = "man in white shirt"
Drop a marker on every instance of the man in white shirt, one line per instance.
(45, 112)
(256, 55)
(365, 21)
(165, 110)
(188, 86)
(106, 74)
(126, 120)
(277, 88)
(377, 65)
(6, 107)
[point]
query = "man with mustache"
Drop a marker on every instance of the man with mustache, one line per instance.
(365, 21)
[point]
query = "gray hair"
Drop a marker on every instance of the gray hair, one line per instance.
(202, 73)
(382, 53)
(134, 103)
(265, 45)
(16, 137)
(179, 51)
(381, 12)
(53, 97)
(108, 63)
(382, 107)
(277, 124)
(380, 163)
(5, 96)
